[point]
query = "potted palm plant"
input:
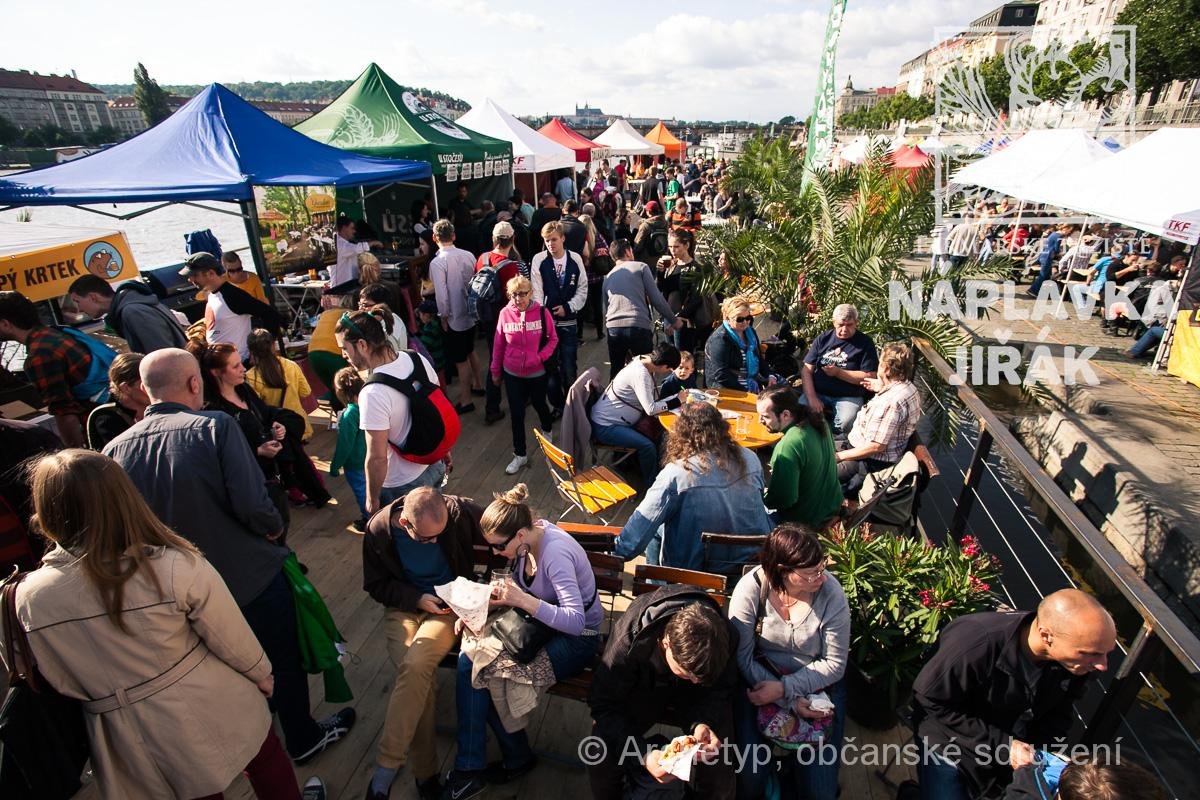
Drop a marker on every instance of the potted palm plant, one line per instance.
(902, 591)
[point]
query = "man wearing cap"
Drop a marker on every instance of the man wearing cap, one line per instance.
(549, 212)
(229, 312)
(508, 265)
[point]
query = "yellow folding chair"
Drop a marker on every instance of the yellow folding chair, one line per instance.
(595, 491)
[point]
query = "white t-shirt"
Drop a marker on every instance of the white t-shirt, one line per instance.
(346, 268)
(228, 326)
(382, 408)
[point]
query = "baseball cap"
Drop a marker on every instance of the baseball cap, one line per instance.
(502, 230)
(201, 261)
(652, 207)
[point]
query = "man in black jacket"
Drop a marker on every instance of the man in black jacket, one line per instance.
(132, 310)
(230, 312)
(413, 544)
(547, 212)
(671, 658)
(1000, 686)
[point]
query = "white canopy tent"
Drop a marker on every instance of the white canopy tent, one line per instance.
(625, 141)
(532, 152)
(856, 150)
(1038, 158)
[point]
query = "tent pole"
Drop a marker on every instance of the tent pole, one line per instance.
(1164, 344)
(250, 218)
(433, 189)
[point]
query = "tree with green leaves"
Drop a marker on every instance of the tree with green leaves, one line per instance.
(10, 134)
(150, 98)
(105, 134)
(1168, 40)
(788, 120)
(888, 112)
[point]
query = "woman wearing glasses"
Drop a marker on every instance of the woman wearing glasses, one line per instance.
(525, 338)
(553, 582)
(793, 626)
(732, 358)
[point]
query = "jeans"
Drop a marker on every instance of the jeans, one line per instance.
(654, 548)
(416, 645)
(568, 367)
(625, 436)
(845, 409)
(939, 779)
(569, 655)
(816, 773)
(626, 343)
(357, 481)
(272, 617)
(491, 402)
(432, 476)
(1043, 276)
(1149, 340)
(521, 391)
(591, 309)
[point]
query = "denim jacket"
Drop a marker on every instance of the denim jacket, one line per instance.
(687, 503)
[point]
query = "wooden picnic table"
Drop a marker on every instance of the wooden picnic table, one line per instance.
(744, 404)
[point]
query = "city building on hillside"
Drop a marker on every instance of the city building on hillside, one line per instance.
(587, 117)
(852, 99)
(1072, 20)
(128, 119)
(30, 100)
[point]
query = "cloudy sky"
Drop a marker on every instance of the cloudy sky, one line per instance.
(704, 59)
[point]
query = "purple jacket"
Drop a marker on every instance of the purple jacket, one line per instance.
(518, 346)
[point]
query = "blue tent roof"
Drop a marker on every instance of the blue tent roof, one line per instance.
(214, 148)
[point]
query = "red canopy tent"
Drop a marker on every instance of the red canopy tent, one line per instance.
(676, 150)
(910, 157)
(585, 149)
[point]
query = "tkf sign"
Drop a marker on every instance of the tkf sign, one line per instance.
(43, 270)
(1183, 228)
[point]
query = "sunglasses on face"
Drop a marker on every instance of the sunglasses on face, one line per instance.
(416, 537)
(499, 548)
(235, 269)
(743, 319)
(522, 294)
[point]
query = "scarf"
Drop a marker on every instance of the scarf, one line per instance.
(749, 350)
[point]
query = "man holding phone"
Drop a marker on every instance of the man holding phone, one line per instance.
(423, 540)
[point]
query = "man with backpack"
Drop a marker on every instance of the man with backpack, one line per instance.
(650, 243)
(560, 284)
(488, 291)
(408, 421)
(132, 310)
(68, 367)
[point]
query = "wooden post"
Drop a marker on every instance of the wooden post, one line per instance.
(966, 496)
(1126, 684)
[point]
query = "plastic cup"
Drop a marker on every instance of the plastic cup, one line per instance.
(742, 425)
(500, 577)
(712, 396)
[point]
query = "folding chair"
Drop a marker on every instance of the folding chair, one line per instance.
(592, 538)
(722, 564)
(647, 578)
(594, 491)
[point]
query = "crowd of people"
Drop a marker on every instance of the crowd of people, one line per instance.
(166, 556)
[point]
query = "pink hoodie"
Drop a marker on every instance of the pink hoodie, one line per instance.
(518, 336)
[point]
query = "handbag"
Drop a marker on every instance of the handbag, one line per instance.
(44, 738)
(551, 362)
(522, 635)
(647, 425)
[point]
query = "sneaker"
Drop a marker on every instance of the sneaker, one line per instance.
(430, 788)
(334, 728)
(549, 434)
(314, 789)
(515, 465)
(462, 786)
(492, 416)
(497, 773)
(296, 497)
(464, 409)
(359, 526)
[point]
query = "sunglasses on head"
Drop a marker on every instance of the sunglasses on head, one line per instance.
(743, 319)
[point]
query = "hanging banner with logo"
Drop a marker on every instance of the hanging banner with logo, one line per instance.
(820, 130)
(41, 261)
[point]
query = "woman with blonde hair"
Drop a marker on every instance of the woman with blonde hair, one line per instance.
(129, 618)
(553, 583)
(732, 356)
(708, 483)
(368, 269)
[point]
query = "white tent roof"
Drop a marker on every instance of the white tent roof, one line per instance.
(18, 238)
(1036, 158)
(1144, 186)
(532, 152)
(625, 141)
(856, 150)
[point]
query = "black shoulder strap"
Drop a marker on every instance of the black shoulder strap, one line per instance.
(402, 385)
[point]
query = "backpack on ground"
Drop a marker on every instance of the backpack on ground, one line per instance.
(93, 388)
(435, 423)
(483, 294)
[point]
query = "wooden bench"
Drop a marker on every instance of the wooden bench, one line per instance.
(647, 578)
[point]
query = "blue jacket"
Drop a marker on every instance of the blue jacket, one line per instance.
(687, 503)
(554, 294)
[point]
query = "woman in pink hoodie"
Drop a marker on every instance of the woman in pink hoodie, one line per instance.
(525, 338)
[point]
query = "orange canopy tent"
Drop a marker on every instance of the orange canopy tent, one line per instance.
(910, 157)
(675, 149)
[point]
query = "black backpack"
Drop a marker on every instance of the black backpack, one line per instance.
(657, 246)
(435, 423)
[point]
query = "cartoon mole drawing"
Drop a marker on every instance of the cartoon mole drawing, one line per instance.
(103, 260)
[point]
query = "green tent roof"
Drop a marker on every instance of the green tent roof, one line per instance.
(377, 117)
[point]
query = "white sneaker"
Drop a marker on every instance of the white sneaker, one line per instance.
(549, 434)
(515, 465)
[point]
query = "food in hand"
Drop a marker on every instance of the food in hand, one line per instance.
(679, 745)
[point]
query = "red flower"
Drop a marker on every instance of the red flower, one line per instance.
(970, 547)
(978, 585)
(926, 597)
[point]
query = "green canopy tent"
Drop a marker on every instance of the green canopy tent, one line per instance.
(376, 116)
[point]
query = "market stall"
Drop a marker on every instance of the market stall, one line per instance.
(533, 153)
(674, 148)
(41, 261)
(623, 140)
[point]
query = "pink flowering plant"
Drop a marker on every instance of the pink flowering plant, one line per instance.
(902, 591)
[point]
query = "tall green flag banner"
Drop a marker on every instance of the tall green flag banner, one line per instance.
(820, 129)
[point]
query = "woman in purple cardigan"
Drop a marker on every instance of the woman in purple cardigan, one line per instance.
(554, 583)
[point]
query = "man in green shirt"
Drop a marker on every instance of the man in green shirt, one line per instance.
(803, 486)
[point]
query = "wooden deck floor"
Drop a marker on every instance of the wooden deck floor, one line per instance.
(332, 553)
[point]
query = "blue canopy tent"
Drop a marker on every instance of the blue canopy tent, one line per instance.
(215, 148)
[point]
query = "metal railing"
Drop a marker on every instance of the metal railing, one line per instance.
(1161, 631)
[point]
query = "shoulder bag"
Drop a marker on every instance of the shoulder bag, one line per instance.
(523, 635)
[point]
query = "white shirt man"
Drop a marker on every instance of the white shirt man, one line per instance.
(346, 268)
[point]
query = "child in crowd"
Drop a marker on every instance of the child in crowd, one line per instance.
(430, 334)
(682, 377)
(350, 454)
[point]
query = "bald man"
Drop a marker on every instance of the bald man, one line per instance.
(197, 471)
(1000, 686)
